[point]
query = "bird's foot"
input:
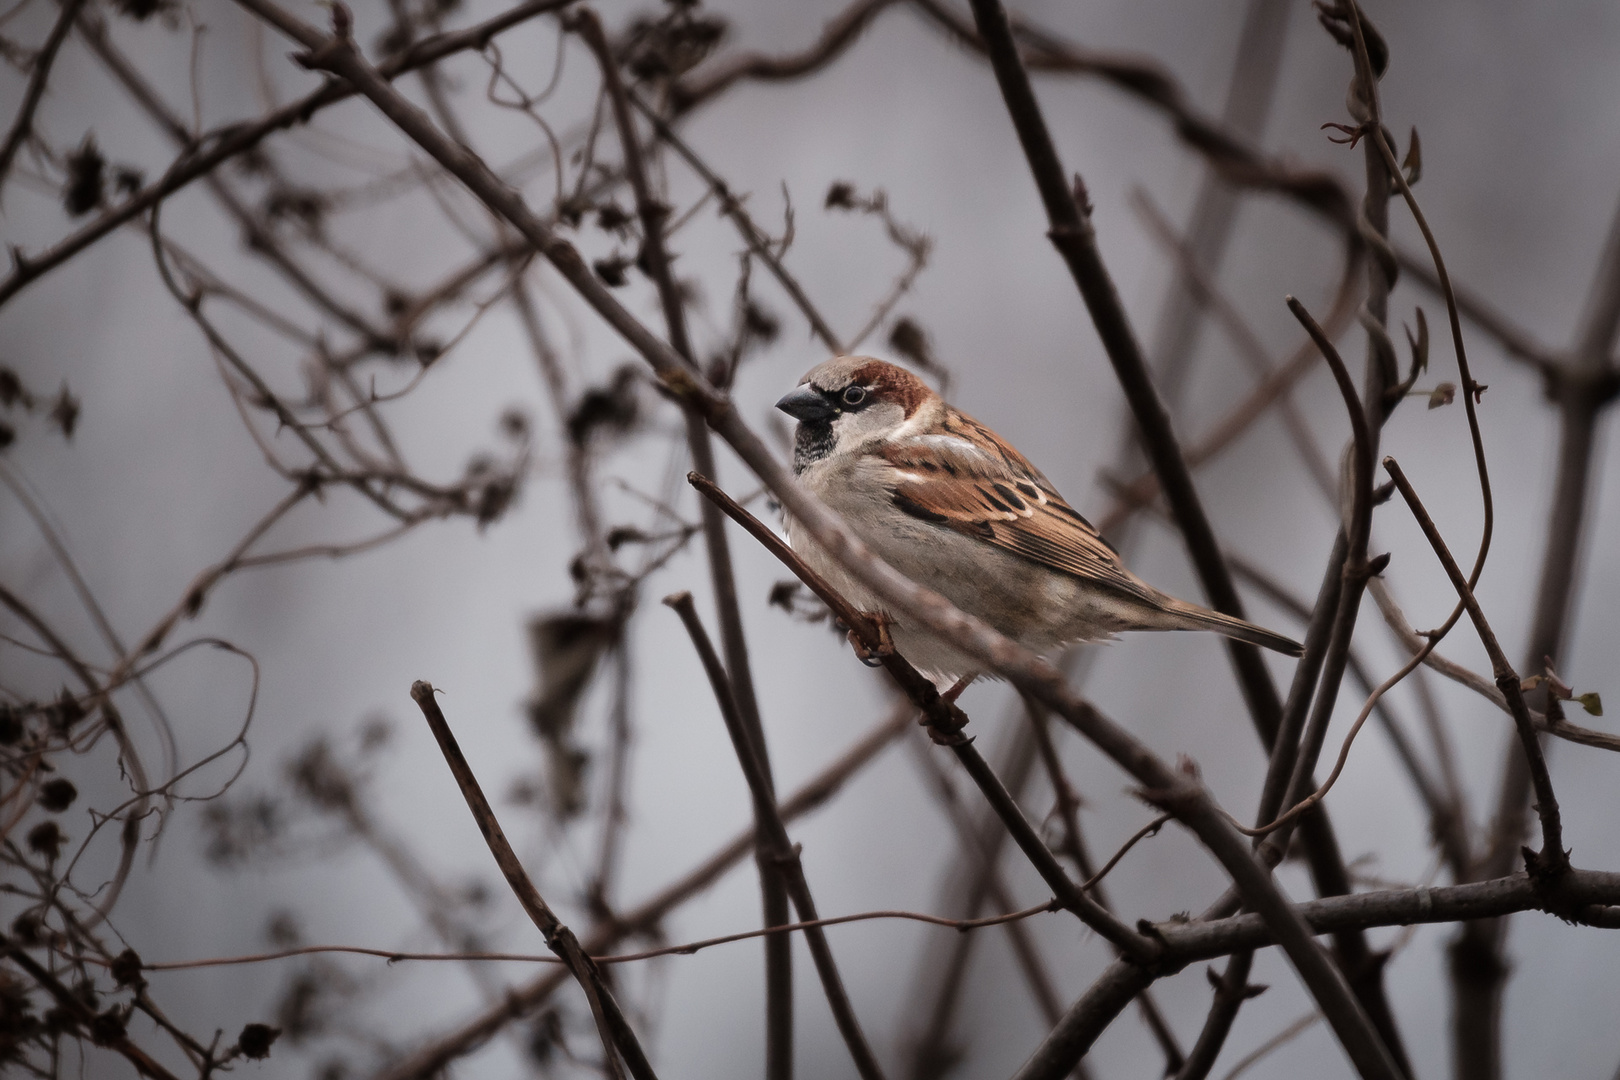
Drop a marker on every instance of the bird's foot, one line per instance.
(873, 656)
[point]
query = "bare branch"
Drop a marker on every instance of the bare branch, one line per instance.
(617, 1036)
(23, 123)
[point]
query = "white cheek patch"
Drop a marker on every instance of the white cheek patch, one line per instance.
(858, 427)
(847, 433)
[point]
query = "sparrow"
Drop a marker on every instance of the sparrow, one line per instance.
(951, 505)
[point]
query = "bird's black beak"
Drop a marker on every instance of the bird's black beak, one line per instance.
(807, 404)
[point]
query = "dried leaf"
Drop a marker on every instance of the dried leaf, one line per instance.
(493, 499)
(1557, 687)
(910, 340)
(128, 180)
(1444, 394)
(11, 390)
(86, 179)
(761, 323)
(57, 795)
(321, 778)
(1335, 19)
(65, 412)
(141, 10)
(840, 196)
(612, 271)
(611, 217)
(11, 725)
(304, 206)
(566, 648)
(673, 45)
(46, 839)
(620, 535)
(612, 408)
(255, 1040)
(126, 968)
(782, 594)
(1412, 164)
(1419, 344)
(108, 1027)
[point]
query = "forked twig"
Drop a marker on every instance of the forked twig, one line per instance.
(1553, 860)
(775, 842)
(23, 123)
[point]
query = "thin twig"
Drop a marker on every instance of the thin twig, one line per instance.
(23, 123)
(1485, 688)
(972, 881)
(685, 949)
(1068, 808)
(1553, 859)
(431, 1058)
(758, 243)
(776, 845)
(1278, 1040)
(617, 1036)
(73, 1005)
(232, 140)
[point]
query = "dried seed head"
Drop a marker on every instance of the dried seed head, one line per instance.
(46, 839)
(57, 795)
(86, 178)
(255, 1040)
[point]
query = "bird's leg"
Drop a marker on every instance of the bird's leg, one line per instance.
(956, 688)
(869, 655)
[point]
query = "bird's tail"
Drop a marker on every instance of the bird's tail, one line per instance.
(1192, 617)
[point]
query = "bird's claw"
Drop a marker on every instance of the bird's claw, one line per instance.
(873, 656)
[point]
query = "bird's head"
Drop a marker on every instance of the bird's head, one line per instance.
(849, 402)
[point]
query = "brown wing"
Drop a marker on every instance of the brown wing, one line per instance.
(969, 480)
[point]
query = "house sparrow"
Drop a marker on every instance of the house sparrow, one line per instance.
(947, 502)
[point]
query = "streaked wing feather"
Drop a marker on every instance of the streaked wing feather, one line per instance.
(969, 480)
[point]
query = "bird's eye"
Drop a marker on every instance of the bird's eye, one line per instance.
(854, 395)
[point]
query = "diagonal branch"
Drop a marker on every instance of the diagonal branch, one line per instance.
(617, 1036)
(777, 847)
(23, 123)
(73, 1005)
(431, 1058)
(972, 882)
(1553, 860)
(1074, 846)
(758, 243)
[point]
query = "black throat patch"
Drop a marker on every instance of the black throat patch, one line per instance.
(812, 442)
